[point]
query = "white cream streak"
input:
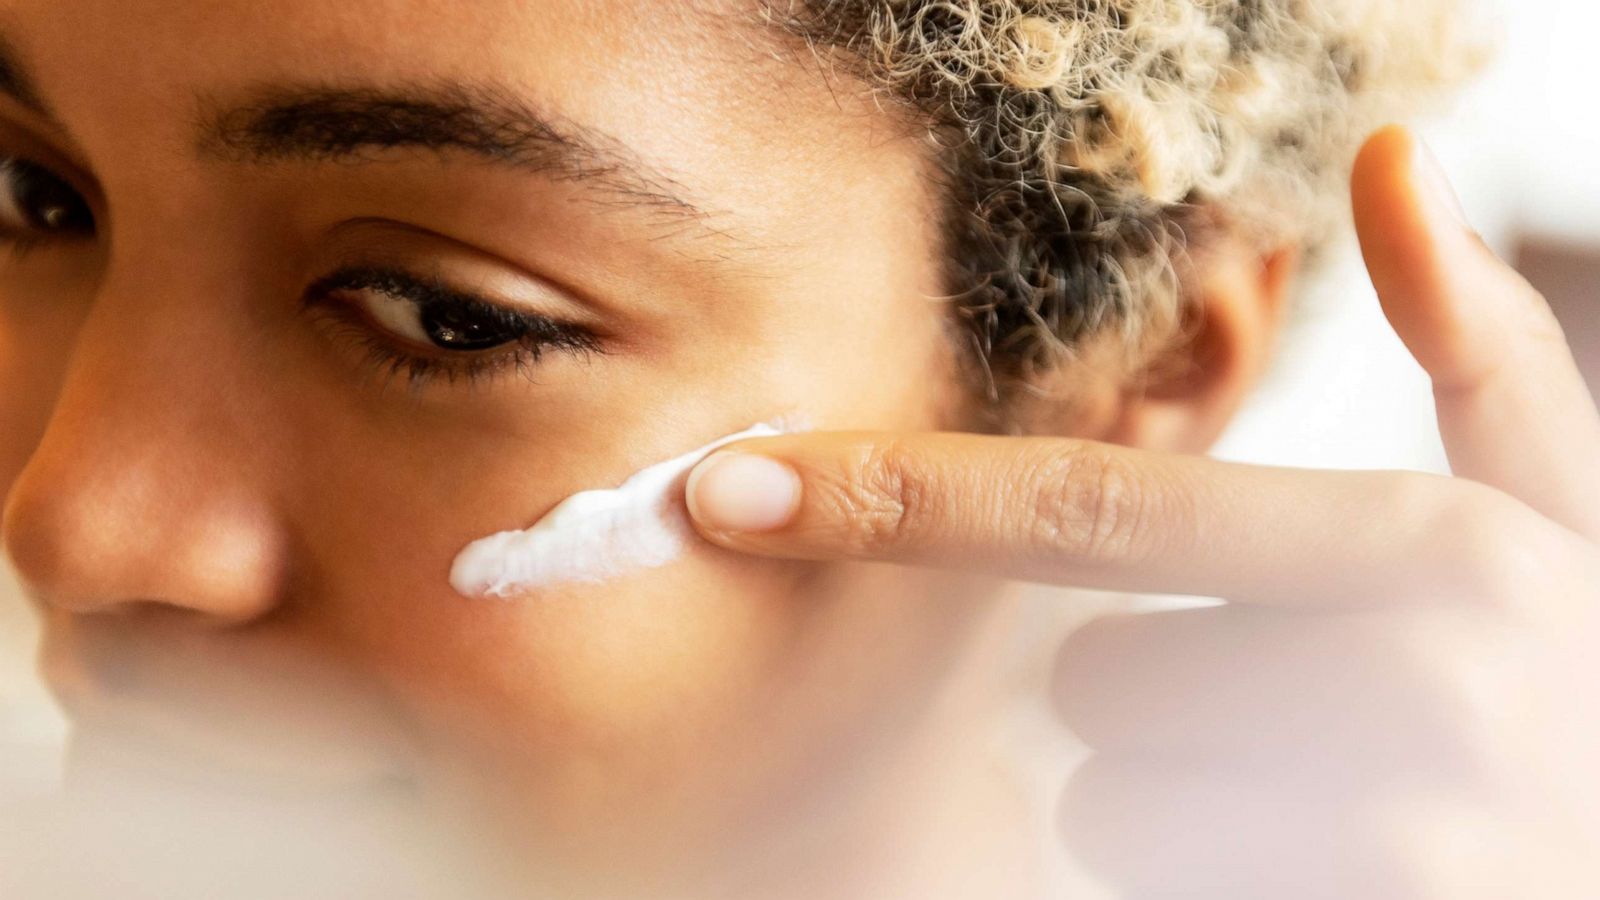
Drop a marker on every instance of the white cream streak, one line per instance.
(592, 535)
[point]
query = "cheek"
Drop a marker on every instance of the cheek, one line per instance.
(864, 341)
(661, 654)
(638, 681)
(564, 667)
(587, 695)
(24, 404)
(36, 340)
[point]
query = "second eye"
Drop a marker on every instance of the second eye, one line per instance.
(444, 327)
(426, 314)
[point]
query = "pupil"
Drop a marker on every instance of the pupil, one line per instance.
(48, 202)
(454, 328)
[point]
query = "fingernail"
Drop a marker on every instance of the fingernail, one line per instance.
(733, 491)
(1434, 180)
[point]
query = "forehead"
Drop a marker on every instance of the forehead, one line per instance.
(295, 35)
(571, 51)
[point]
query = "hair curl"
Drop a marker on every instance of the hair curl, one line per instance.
(1087, 144)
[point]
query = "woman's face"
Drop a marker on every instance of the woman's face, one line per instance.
(247, 417)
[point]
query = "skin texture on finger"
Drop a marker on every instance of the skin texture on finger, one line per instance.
(1096, 515)
(1513, 410)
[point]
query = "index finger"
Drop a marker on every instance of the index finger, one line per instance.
(1110, 517)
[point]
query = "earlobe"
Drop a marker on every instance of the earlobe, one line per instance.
(1184, 399)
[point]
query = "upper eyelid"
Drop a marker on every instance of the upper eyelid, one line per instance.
(359, 234)
(391, 281)
(398, 282)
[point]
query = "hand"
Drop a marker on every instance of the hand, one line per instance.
(1397, 701)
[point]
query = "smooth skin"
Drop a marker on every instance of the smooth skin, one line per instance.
(1395, 701)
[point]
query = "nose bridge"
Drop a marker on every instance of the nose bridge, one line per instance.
(143, 487)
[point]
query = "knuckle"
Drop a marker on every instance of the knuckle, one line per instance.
(1543, 326)
(1414, 491)
(1089, 504)
(1508, 556)
(880, 499)
(1539, 321)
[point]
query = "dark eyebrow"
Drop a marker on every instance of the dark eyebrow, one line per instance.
(17, 83)
(349, 124)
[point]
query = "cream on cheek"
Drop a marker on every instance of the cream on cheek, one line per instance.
(592, 535)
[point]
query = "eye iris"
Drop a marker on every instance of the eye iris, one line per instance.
(454, 328)
(48, 202)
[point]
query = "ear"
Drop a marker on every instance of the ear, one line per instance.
(1186, 397)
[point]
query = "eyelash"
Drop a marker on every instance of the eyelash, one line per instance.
(388, 358)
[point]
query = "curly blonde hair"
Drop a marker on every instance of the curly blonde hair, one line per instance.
(1088, 145)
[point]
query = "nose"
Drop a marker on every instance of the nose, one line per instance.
(139, 492)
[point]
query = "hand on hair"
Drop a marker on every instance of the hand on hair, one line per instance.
(1396, 701)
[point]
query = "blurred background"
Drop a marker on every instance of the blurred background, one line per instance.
(1521, 145)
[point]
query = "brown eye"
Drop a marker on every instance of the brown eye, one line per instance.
(36, 203)
(441, 325)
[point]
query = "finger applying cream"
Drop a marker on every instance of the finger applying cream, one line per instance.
(592, 535)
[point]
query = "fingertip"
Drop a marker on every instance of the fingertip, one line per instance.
(731, 493)
(1383, 148)
(1453, 302)
(1398, 187)
(1419, 251)
(1383, 193)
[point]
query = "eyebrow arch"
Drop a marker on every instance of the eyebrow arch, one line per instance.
(315, 123)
